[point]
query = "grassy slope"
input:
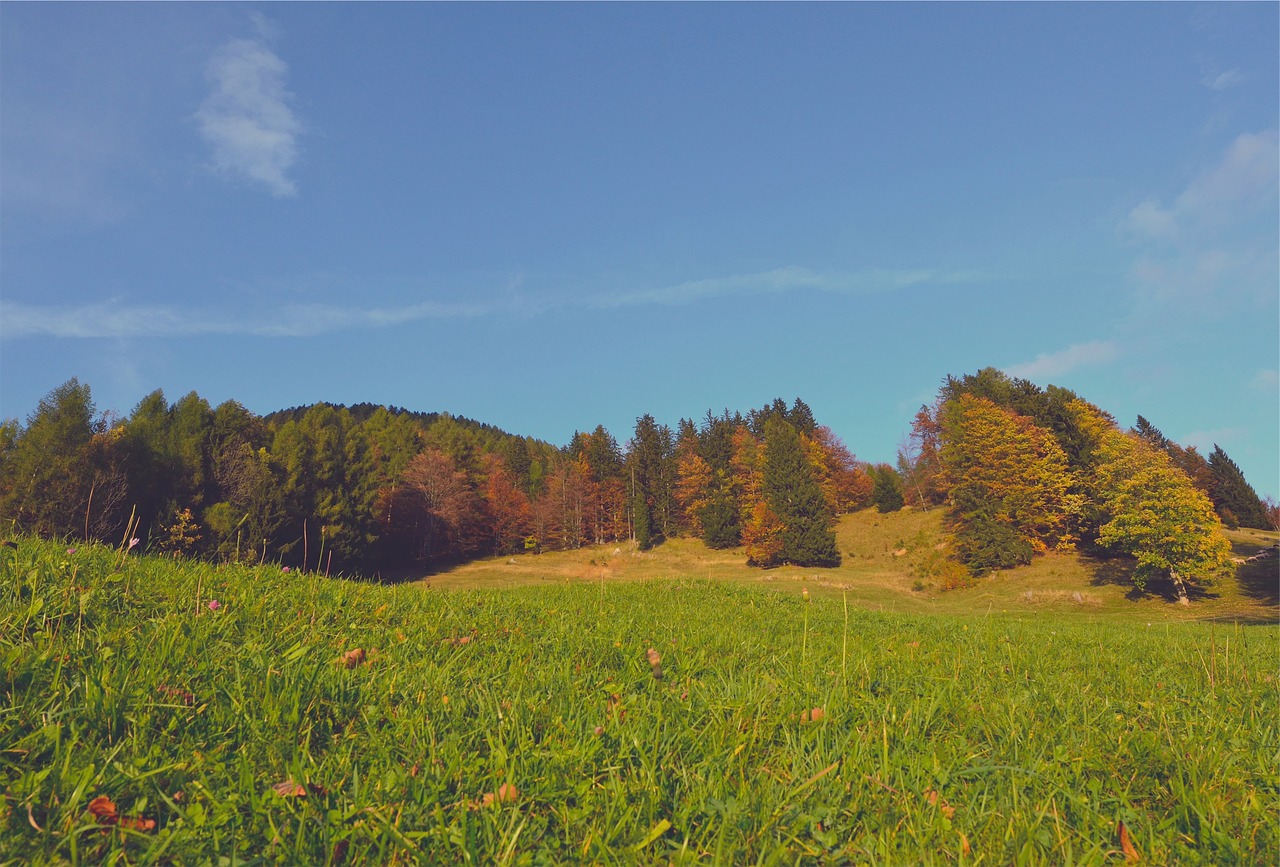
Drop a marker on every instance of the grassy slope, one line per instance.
(882, 558)
(1015, 739)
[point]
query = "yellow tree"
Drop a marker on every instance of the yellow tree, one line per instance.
(1004, 467)
(1149, 508)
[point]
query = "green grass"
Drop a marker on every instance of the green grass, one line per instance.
(885, 567)
(1019, 738)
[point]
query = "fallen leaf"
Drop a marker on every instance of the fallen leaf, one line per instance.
(177, 693)
(352, 658)
(506, 794)
(1126, 845)
(964, 845)
(104, 810)
(291, 789)
(935, 799)
(812, 715)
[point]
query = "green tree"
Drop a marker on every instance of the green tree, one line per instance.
(886, 490)
(794, 496)
(62, 474)
(1232, 495)
(1149, 509)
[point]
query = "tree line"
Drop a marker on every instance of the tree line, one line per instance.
(1026, 470)
(1021, 471)
(370, 488)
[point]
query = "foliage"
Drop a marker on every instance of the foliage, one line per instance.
(1150, 509)
(1003, 469)
(795, 499)
(1232, 494)
(886, 492)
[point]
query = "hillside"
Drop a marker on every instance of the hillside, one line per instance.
(161, 711)
(887, 558)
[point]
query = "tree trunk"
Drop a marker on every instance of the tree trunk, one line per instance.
(1182, 587)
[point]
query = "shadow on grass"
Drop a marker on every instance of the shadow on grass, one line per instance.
(1260, 580)
(1118, 570)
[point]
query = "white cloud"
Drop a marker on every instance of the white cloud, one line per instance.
(246, 119)
(117, 319)
(788, 279)
(1223, 80)
(1242, 182)
(1205, 440)
(294, 320)
(1064, 361)
(1266, 381)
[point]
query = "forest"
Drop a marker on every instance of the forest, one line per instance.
(383, 491)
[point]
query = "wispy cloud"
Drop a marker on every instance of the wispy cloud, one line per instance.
(1064, 361)
(120, 319)
(294, 320)
(1244, 180)
(1223, 80)
(788, 279)
(1266, 381)
(246, 119)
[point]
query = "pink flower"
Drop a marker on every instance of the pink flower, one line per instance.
(71, 550)
(285, 569)
(133, 543)
(214, 604)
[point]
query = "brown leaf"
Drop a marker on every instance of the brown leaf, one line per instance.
(812, 715)
(934, 798)
(178, 694)
(964, 845)
(655, 658)
(506, 794)
(290, 789)
(466, 639)
(1126, 845)
(104, 810)
(352, 658)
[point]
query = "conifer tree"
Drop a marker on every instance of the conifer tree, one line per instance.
(794, 496)
(1232, 495)
(886, 492)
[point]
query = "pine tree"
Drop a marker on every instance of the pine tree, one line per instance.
(794, 496)
(1234, 496)
(886, 492)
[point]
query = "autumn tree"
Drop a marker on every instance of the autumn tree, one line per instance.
(1003, 467)
(507, 506)
(436, 508)
(1150, 509)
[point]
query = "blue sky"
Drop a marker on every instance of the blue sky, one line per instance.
(549, 217)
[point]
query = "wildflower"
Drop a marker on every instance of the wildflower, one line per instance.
(71, 550)
(285, 569)
(133, 543)
(214, 604)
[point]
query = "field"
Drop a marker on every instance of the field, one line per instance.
(157, 711)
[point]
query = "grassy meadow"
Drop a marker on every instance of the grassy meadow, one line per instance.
(156, 711)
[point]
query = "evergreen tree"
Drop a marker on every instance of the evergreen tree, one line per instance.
(1232, 495)
(886, 492)
(794, 496)
(650, 457)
